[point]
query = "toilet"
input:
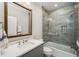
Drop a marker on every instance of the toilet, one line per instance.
(77, 43)
(47, 51)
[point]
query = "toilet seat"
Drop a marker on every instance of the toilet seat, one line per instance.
(47, 51)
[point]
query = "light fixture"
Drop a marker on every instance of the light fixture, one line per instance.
(49, 19)
(75, 6)
(55, 5)
(28, 3)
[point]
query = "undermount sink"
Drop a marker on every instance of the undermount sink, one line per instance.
(29, 43)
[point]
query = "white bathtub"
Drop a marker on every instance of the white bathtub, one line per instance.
(59, 50)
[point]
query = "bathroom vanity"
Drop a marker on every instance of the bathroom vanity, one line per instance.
(18, 23)
(31, 48)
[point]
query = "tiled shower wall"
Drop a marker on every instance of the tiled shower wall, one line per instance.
(62, 28)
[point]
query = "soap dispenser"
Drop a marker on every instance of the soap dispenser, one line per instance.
(5, 39)
(3, 43)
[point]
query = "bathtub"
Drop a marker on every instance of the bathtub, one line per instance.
(59, 50)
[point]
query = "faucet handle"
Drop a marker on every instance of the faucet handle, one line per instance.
(26, 40)
(23, 41)
(19, 44)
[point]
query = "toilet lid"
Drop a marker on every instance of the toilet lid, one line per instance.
(47, 49)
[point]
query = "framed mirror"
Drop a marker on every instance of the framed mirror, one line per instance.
(18, 20)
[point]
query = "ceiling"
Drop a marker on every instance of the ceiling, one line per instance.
(50, 6)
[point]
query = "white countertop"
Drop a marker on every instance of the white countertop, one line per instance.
(14, 50)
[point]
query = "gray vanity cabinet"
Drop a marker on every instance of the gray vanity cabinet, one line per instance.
(36, 52)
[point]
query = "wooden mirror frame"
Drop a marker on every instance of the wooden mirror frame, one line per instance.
(6, 20)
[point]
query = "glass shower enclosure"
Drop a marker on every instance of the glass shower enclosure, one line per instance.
(62, 26)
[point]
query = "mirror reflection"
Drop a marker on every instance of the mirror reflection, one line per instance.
(18, 20)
